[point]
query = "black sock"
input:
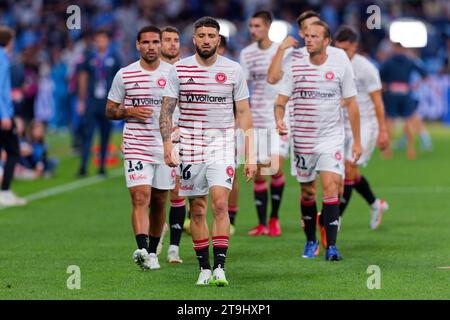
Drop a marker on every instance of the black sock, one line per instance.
(153, 244)
(362, 186)
(260, 192)
(330, 215)
(232, 211)
(345, 199)
(276, 191)
(309, 216)
(176, 220)
(220, 246)
(201, 248)
(142, 241)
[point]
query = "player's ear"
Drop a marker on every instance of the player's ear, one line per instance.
(138, 46)
(301, 34)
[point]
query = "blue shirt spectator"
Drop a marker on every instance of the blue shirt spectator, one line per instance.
(6, 105)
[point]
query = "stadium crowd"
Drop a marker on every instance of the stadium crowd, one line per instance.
(47, 56)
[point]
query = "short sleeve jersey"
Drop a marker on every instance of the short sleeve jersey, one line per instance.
(316, 92)
(136, 87)
(205, 96)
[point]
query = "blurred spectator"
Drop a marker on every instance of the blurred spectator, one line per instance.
(396, 74)
(59, 75)
(34, 162)
(95, 78)
(44, 105)
(9, 141)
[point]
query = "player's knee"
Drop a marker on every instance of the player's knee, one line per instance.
(331, 189)
(140, 198)
(220, 206)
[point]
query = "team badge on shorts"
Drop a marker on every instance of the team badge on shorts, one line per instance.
(230, 171)
(221, 77)
(162, 82)
(338, 156)
(173, 173)
(329, 75)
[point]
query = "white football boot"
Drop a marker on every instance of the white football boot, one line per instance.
(219, 277)
(377, 210)
(204, 278)
(173, 255)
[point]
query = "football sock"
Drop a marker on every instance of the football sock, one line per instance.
(176, 220)
(330, 215)
(309, 216)
(362, 186)
(260, 193)
(142, 241)
(201, 248)
(232, 211)
(345, 199)
(276, 191)
(220, 246)
(153, 244)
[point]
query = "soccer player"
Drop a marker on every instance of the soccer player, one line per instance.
(275, 74)
(255, 60)
(9, 140)
(135, 96)
(317, 82)
(170, 53)
(234, 194)
(95, 77)
(205, 85)
(373, 127)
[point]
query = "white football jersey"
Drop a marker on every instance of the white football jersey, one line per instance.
(206, 96)
(136, 87)
(367, 80)
(255, 62)
(316, 92)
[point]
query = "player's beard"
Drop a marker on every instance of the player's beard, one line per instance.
(169, 55)
(149, 60)
(206, 54)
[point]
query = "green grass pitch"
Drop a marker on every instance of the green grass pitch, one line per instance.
(90, 227)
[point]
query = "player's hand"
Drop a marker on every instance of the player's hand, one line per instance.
(175, 134)
(249, 171)
(288, 42)
(171, 155)
(356, 152)
(383, 140)
(142, 113)
(282, 128)
(81, 107)
(6, 124)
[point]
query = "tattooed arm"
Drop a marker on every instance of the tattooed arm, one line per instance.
(165, 126)
(165, 118)
(116, 111)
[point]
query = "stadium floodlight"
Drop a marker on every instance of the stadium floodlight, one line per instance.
(279, 30)
(227, 28)
(409, 33)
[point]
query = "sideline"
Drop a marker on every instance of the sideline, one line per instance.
(69, 186)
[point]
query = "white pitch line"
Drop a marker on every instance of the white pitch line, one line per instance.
(443, 268)
(70, 186)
